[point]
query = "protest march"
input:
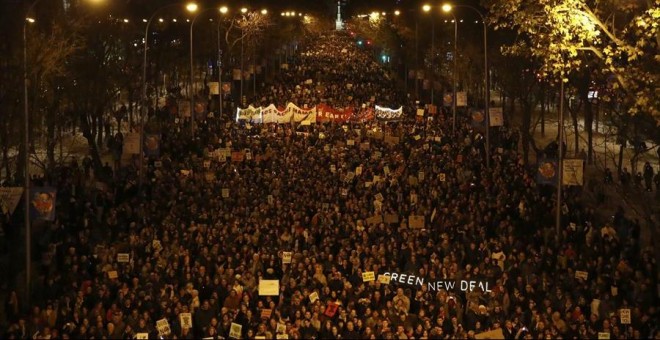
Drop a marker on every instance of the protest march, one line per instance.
(327, 208)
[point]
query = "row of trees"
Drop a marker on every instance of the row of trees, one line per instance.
(606, 46)
(84, 63)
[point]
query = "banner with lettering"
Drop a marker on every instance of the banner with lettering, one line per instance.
(325, 113)
(384, 113)
(251, 114)
(300, 115)
(364, 115)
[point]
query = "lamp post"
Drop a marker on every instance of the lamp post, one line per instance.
(144, 85)
(448, 8)
(26, 151)
(243, 10)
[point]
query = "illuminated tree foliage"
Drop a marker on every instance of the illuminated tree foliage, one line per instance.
(622, 36)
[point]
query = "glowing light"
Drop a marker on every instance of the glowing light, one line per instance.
(243, 10)
(224, 9)
(446, 8)
(426, 8)
(264, 11)
(397, 12)
(191, 7)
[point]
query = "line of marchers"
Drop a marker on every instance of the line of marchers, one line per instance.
(448, 285)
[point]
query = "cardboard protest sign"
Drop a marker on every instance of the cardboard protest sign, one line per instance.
(237, 156)
(368, 276)
(207, 164)
(416, 221)
(163, 327)
(142, 336)
(112, 274)
(331, 309)
(391, 140)
(614, 290)
(581, 275)
(9, 199)
(350, 142)
(225, 192)
(266, 313)
(286, 257)
(269, 287)
(281, 328)
(494, 334)
(123, 257)
(186, 320)
(358, 170)
(603, 335)
(376, 219)
(235, 330)
(132, 143)
(624, 314)
(313, 297)
(384, 279)
(282, 336)
(391, 218)
(442, 177)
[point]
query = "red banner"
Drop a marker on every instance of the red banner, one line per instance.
(325, 113)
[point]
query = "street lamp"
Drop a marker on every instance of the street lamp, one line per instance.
(426, 8)
(448, 8)
(244, 10)
(397, 12)
(223, 11)
(189, 7)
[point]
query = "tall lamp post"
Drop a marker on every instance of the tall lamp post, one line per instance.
(189, 7)
(448, 8)
(26, 151)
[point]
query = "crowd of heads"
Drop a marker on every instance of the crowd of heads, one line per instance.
(203, 230)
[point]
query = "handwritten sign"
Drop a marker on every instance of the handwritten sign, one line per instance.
(286, 257)
(269, 287)
(624, 314)
(112, 274)
(186, 320)
(266, 313)
(163, 327)
(313, 297)
(368, 276)
(384, 279)
(142, 336)
(603, 335)
(225, 192)
(581, 275)
(416, 221)
(123, 257)
(442, 177)
(331, 309)
(235, 330)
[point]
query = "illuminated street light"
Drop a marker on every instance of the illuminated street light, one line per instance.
(191, 7)
(446, 8)
(397, 12)
(224, 9)
(126, 21)
(426, 8)
(30, 20)
(244, 10)
(264, 11)
(160, 20)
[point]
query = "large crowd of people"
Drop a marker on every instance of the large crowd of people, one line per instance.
(203, 230)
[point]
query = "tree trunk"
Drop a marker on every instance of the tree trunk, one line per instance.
(88, 132)
(620, 163)
(576, 130)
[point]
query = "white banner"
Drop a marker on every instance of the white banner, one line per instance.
(385, 113)
(251, 114)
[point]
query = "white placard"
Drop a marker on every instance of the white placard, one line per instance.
(235, 330)
(163, 327)
(186, 320)
(496, 116)
(123, 257)
(269, 287)
(313, 297)
(286, 257)
(625, 316)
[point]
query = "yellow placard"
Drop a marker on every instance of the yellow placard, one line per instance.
(368, 276)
